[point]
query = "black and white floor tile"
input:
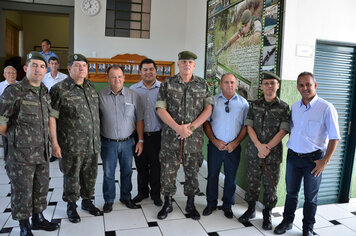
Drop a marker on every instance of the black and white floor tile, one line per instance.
(334, 219)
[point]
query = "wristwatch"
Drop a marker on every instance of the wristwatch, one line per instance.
(192, 128)
(140, 141)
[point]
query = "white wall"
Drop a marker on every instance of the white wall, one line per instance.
(305, 22)
(175, 26)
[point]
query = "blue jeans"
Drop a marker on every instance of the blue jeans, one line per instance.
(110, 152)
(231, 163)
(297, 169)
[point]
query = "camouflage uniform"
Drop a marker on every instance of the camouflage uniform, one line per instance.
(26, 112)
(267, 119)
(184, 102)
(78, 132)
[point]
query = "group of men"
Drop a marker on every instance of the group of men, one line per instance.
(161, 125)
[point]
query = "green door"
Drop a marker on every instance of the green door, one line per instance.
(334, 70)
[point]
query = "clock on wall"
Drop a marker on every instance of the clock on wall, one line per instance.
(90, 7)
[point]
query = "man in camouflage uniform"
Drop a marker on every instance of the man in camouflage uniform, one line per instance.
(267, 123)
(24, 112)
(78, 128)
(183, 104)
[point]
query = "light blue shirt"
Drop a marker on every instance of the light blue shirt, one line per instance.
(313, 126)
(3, 86)
(226, 126)
(149, 98)
(48, 56)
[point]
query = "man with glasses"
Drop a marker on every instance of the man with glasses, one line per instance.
(10, 74)
(267, 123)
(225, 130)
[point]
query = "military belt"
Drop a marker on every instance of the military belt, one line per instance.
(311, 154)
(116, 140)
(152, 133)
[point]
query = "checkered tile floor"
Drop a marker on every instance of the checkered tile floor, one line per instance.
(334, 219)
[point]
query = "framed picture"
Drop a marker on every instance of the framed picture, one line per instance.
(101, 68)
(167, 70)
(92, 67)
(159, 70)
(127, 69)
(134, 69)
(243, 38)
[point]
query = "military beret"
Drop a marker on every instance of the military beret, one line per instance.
(246, 17)
(187, 55)
(76, 57)
(35, 55)
(270, 75)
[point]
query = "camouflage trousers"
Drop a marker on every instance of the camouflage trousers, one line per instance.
(79, 176)
(257, 173)
(170, 163)
(29, 188)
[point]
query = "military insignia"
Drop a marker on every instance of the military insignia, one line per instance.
(29, 55)
(75, 57)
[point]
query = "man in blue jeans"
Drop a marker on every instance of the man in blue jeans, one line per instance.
(313, 140)
(120, 115)
(225, 130)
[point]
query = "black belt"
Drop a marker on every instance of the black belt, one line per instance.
(116, 140)
(152, 133)
(311, 154)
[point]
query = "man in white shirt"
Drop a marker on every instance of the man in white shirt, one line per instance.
(313, 140)
(54, 76)
(10, 75)
(51, 78)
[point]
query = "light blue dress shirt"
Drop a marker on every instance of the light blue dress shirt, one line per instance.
(226, 126)
(149, 98)
(313, 126)
(3, 86)
(48, 56)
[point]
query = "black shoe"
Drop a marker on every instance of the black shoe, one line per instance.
(307, 233)
(52, 159)
(208, 210)
(107, 207)
(191, 210)
(267, 224)
(167, 208)
(283, 227)
(87, 205)
(129, 203)
(72, 212)
(39, 222)
(25, 228)
(157, 201)
(249, 214)
(228, 213)
(139, 198)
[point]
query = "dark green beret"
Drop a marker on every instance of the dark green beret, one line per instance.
(76, 57)
(246, 17)
(187, 55)
(36, 55)
(270, 75)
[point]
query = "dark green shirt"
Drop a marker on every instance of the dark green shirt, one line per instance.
(267, 119)
(77, 113)
(26, 112)
(184, 102)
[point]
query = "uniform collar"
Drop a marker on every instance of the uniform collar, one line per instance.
(27, 86)
(275, 101)
(72, 84)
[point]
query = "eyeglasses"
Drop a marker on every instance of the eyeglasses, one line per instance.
(227, 107)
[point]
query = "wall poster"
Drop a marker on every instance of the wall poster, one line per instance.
(243, 38)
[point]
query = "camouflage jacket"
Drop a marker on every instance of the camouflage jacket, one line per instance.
(184, 102)
(267, 119)
(26, 111)
(77, 113)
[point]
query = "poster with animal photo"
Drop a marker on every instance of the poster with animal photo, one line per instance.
(242, 38)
